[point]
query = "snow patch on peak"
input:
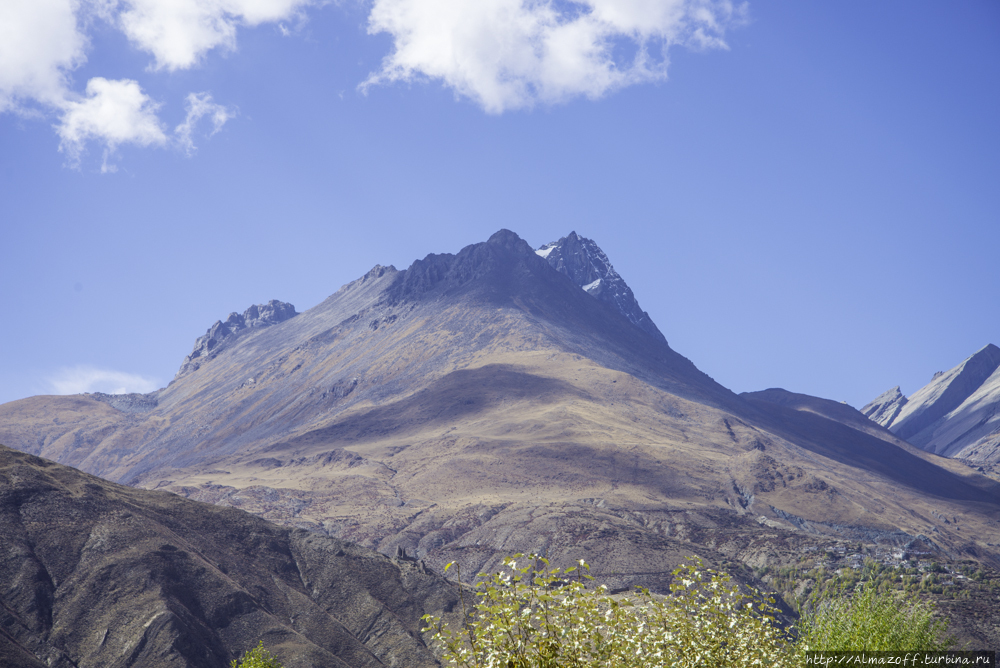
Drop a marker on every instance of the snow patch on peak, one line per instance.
(585, 264)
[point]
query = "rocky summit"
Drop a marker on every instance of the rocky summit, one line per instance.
(957, 414)
(486, 402)
(586, 265)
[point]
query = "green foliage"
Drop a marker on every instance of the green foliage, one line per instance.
(872, 620)
(258, 657)
(534, 616)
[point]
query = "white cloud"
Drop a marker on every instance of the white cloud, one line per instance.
(42, 42)
(503, 54)
(198, 106)
(113, 112)
(179, 32)
(78, 379)
(39, 44)
(509, 54)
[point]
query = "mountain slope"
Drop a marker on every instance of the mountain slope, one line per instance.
(96, 574)
(836, 411)
(957, 414)
(482, 403)
(944, 394)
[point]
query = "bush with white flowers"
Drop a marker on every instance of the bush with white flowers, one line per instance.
(532, 616)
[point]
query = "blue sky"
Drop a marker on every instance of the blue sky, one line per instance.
(802, 195)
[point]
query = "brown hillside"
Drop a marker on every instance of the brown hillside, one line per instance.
(98, 574)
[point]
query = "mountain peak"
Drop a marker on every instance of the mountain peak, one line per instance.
(583, 261)
(885, 407)
(510, 241)
(474, 264)
(989, 349)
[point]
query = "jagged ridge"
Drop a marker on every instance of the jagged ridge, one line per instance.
(221, 335)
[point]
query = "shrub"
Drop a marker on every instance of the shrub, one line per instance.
(873, 621)
(532, 616)
(258, 657)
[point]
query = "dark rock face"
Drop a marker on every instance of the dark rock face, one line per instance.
(586, 265)
(221, 335)
(96, 574)
(885, 407)
(488, 263)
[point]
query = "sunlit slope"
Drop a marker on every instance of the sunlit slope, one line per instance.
(565, 429)
(957, 414)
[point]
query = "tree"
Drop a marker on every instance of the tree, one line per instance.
(258, 657)
(871, 621)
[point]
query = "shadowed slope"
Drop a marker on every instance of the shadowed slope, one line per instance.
(897, 461)
(99, 574)
(833, 410)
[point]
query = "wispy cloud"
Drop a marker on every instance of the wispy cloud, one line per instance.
(510, 54)
(200, 105)
(78, 379)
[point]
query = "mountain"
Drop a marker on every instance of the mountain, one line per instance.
(98, 574)
(957, 414)
(885, 407)
(482, 403)
(586, 265)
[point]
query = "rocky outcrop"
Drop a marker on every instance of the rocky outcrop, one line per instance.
(221, 335)
(586, 265)
(885, 407)
(128, 403)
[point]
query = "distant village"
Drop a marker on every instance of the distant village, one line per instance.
(837, 557)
